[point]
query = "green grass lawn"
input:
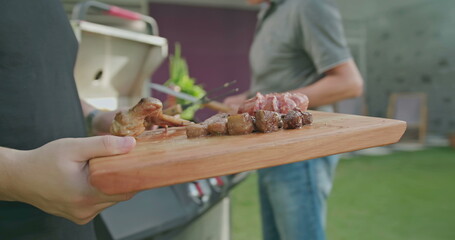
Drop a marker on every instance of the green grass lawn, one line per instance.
(405, 195)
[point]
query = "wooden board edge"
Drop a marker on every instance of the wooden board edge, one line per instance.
(157, 177)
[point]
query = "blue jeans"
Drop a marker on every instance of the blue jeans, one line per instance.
(293, 199)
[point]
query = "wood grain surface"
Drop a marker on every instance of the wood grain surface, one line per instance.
(162, 159)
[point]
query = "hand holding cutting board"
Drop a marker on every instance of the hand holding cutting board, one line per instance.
(54, 177)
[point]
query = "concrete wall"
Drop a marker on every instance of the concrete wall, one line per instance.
(410, 48)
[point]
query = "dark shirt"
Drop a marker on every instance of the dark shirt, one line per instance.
(38, 102)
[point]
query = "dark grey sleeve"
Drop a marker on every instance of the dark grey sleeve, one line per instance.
(322, 34)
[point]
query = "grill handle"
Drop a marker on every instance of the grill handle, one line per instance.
(81, 9)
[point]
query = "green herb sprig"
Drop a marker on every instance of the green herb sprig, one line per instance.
(179, 76)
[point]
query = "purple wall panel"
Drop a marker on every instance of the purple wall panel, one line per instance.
(215, 42)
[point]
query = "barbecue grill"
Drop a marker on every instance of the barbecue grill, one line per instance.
(113, 70)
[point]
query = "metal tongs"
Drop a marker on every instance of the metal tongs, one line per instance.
(205, 100)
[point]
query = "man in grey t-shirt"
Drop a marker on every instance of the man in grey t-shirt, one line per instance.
(299, 46)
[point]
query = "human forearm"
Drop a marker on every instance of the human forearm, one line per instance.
(86, 108)
(100, 121)
(54, 177)
(341, 82)
(8, 164)
(328, 91)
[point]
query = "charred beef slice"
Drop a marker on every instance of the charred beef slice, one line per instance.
(218, 128)
(196, 130)
(216, 118)
(292, 120)
(307, 118)
(240, 124)
(267, 121)
(217, 124)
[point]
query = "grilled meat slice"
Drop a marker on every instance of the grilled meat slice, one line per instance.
(307, 118)
(196, 130)
(216, 118)
(272, 103)
(301, 100)
(131, 122)
(277, 102)
(240, 124)
(147, 112)
(218, 128)
(267, 121)
(253, 104)
(292, 120)
(217, 124)
(286, 102)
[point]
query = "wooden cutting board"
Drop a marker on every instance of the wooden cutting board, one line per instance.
(162, 159)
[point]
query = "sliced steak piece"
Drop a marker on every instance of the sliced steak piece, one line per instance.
(286, 102)
(292, 120)
(307, 118)
(218, 128)
(267, 121)
(216, 118)
(196, 130)
(301, 100)
(217, 124)
(253, 104)
(240, 124)
(272, 103)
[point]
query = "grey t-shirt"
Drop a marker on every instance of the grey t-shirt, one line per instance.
(296, 42)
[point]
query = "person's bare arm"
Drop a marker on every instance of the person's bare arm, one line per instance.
(7, 157)
(86, 107)
(100, 121)
(55, 179)
(341, 82)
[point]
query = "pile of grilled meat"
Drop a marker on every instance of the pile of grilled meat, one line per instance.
(146, 113)
(263, 113)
